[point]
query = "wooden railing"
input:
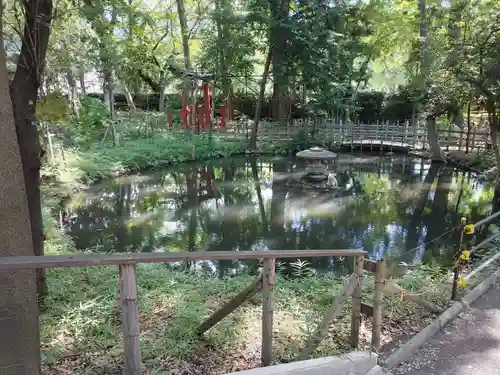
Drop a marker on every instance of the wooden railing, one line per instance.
(265, 283)
(407, 134)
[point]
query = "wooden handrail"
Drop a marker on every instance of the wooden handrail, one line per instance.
(58, 261)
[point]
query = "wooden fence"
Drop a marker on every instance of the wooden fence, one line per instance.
(264, 283)
(389, 134)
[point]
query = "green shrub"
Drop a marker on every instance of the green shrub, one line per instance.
(91, 123)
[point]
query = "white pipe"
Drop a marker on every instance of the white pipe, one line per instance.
(485, 220)
(485, 264)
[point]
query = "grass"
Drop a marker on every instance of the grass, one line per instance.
(81, 167)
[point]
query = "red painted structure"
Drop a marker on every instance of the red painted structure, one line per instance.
(197, 117)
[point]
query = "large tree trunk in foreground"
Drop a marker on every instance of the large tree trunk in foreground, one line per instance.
(19, 338)
(23, 93)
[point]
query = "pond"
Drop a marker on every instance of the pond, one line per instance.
(386, 204)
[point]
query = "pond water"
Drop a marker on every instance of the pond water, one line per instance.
(385, 204)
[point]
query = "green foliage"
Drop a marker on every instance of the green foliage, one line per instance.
(53, 109)
(91, 123)
(96, 162)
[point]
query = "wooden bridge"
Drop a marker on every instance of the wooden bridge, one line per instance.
(391, 136)
(383, 135)
(386, 135)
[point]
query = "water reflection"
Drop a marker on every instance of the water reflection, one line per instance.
(387, 204)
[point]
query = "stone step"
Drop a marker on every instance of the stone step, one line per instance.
(355, 363)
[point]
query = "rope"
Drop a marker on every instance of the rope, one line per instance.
(427, 243)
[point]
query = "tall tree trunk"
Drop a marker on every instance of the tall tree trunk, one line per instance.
(19, 338)
(433, 138)
(188, 84)
(72, 93)
(104, 30)
(493, 120)
(24, 93)
(163, 84)
(467, 140)
(129, 98)
(432, 134)
(225, 55)
(278, 39)
(108, 87)
(185, 34)
(252, 145)
(81, 76)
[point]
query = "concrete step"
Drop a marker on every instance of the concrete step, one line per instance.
(355, 363)
(377, 370)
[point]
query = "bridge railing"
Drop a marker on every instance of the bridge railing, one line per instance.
(408, 133)
(264, 283)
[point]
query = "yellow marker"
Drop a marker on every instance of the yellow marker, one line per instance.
(469, 229)
(30, 102)
(461, 282)
(465, 255)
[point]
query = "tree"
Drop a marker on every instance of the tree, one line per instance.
(18, 315)
(24, 96)
(425, 86)
(476, 61)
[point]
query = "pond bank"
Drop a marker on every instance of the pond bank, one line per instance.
(80, 168)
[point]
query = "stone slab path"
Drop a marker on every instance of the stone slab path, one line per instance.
(469, 345)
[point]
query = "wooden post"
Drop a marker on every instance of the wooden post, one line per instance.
(231, 305)
(130, 319)
(377, 304)
(51, 148)
(414, 142)
(268, 281)
(456, 268)
(351, 125)
(405, 138)
(334, 310)
(341, 131)
(473, 144)
(356, 301)
(386, 131)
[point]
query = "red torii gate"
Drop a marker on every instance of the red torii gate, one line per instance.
(196, 116)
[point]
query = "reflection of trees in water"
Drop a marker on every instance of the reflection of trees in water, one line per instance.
(241, 205)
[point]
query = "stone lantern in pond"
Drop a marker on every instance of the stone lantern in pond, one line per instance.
(317, 161)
